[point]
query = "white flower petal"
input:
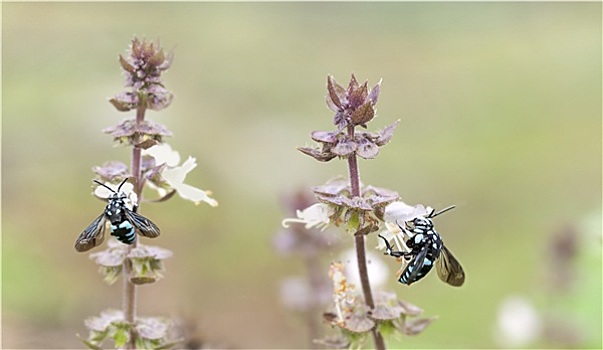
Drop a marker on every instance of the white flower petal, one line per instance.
(194, 194)
(163, 154)
(176, 175)
(189, 164)
(399, 212)
(316, 215)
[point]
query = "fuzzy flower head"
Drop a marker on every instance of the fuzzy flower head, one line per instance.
(353, 106)
(143, 66)
(166, 176)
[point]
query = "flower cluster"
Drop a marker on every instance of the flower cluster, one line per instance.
(361, 214)
(153, 332)
(161, 171)
(146, 262)
(361, 210)
(155, 164)
(143, 134)
(354, 319)
(143, 68)
(354, 106)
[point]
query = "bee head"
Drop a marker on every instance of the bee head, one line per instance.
(420, 223)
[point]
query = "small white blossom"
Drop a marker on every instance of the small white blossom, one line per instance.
(317, 215)
(174, 175)
(175, 178)
(395, 215)
(377, 269)
(163, 154)
(400, 212)
(518, 323)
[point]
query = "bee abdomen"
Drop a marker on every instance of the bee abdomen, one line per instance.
(124, 232)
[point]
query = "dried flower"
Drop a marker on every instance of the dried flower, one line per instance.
(351, 311)
(355, 319)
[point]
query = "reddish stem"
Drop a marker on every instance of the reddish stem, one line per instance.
(359, 243)
(129, 290)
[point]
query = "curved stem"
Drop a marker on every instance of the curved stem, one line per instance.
(359, 244)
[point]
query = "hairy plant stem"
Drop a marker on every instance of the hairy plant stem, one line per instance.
(129, 290)
(359, 243)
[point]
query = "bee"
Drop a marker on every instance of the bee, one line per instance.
(123, 223)
(426, 249)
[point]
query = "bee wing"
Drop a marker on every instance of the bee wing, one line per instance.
(449, 269)
(143, 226)
(93, 235)
(414, 267)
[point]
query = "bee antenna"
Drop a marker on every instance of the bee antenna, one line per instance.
(386, 242)
(442, 211)
(105, 186)
(121, 184)
(109, 188)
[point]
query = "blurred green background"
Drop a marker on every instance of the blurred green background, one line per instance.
(501, 115)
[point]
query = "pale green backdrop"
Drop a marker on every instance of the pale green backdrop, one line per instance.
(501, 115)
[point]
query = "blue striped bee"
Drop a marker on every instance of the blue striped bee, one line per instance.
(426, 249)
(123, 223)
